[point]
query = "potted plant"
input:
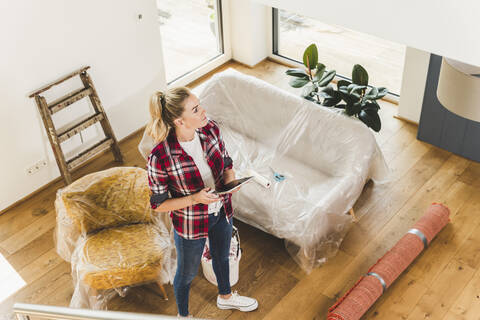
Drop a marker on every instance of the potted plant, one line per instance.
(356, 98)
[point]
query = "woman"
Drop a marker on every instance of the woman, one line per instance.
(188, 161)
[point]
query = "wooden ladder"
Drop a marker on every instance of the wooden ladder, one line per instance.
(56, 137)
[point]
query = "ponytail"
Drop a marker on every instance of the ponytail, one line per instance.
(164, 109)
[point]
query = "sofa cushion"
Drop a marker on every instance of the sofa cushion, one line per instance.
(285, 209)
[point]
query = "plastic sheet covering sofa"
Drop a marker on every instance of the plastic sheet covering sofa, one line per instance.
(325, 156)
(107, 230)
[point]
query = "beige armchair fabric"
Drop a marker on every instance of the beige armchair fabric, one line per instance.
(113, 239)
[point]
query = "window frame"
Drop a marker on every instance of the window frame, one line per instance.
(273, 34)
(222, 7)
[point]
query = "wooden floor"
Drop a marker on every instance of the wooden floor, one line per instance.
(443, 283)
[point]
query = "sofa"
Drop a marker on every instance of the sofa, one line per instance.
(325, 157)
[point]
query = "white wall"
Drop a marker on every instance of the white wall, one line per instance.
(414, 78)
(444, 27)
(44, 40)
(249, 31)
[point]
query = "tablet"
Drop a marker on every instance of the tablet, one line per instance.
(232, 186)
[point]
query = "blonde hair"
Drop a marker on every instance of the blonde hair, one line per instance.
(164, 109)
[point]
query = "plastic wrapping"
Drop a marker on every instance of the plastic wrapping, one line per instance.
(324, 156)
(113, 239)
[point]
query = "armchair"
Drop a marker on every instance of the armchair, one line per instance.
(105, 227)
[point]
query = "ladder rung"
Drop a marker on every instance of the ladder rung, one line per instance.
(89, 153)
(81, 125)
(62, 79)
(67, 100)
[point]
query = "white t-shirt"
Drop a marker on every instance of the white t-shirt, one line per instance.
(194, 150)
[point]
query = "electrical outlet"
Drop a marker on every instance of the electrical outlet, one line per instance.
(36, 167)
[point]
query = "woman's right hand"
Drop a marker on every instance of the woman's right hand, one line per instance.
(204, 197)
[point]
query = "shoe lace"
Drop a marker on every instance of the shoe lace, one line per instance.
(234, 295)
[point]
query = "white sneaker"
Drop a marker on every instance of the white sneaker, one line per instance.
(238, 302)
(179, 316)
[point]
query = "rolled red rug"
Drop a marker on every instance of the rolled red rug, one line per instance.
(383, 273)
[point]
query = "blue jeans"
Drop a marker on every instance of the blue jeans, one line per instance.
(189, 253)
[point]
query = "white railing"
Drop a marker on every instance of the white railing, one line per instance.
(24, 311)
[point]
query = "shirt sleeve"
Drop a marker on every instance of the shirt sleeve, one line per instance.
(157, 181)
(227, 160)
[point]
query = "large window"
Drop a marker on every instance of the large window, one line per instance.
(339, 48)
(191, 34)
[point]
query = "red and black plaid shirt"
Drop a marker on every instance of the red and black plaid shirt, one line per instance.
(172, 173)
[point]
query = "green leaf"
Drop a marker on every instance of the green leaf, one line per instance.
(299, 73)
(371, 119)
(330, 102)
(359, 75)
(349, 98)
(327, 78)
(332, 97)
(319, 72)
(342, 83)
(341, 106)
(382, 92)
(377, 93)
(349, 110)
(356, 95)
(353, 108)
(310, 56)
(351, 86)
(328, 92)
(298, 82)
(357, 107)
(371, 106)
(310, 98)
(307, 90)
(355, 88)
(372, 93)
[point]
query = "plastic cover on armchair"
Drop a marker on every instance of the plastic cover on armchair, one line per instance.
(113, 239)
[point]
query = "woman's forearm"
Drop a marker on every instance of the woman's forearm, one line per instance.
(176, 203)
(186, 201)
(228, 175)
